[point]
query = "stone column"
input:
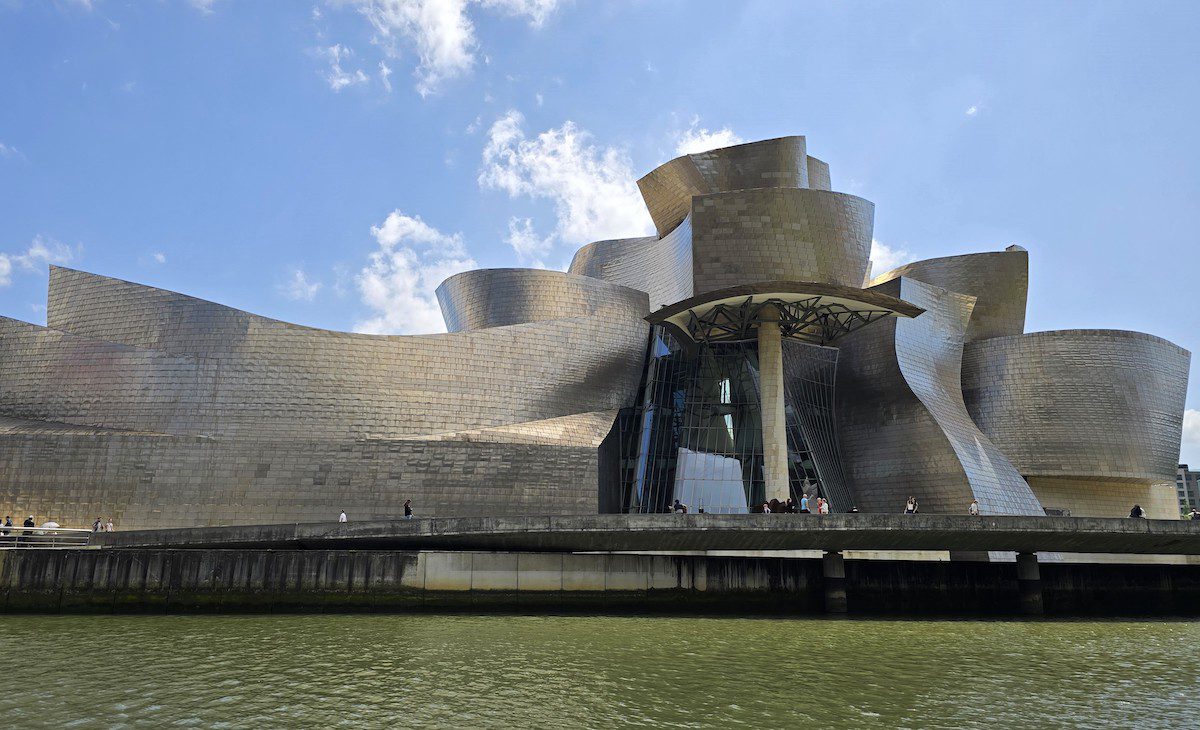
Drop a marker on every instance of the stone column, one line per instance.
(1029, 582)
(774, 422)
(833, 571)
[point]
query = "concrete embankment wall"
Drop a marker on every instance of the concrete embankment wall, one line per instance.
(83, 580)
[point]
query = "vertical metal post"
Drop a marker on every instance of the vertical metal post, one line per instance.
(774, 421)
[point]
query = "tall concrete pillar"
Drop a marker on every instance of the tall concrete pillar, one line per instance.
(1029, 582)
(774, 422)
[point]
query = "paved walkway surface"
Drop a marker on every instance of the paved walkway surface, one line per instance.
(698, 532)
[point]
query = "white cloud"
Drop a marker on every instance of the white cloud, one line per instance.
(159, 257)
(698, 139)
(42, 251)
(385, 73)
(440, 31)
(884, 258)
(1190, 447)
(593, 188)
(972, 110)
(337, 77)
(400, 280)
(298, 288)
(530, 246)
(7, 151)
(204, 6)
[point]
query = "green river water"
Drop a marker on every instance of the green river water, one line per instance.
(596, 672)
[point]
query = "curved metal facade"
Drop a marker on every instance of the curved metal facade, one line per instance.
(999, 281)
(483, 298)
(162, 410)
(780, 234)
(191, 412)
(1081, 403)
(905, 430)
(774, 163)
(660, 267)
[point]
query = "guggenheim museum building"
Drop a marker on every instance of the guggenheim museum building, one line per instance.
(741, 354)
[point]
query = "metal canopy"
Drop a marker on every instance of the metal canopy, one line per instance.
(809, 311)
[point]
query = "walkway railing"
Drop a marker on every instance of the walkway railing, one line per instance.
(43, 537)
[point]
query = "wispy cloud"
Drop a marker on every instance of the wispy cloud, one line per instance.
(1190, 446)
(884, 258)
(10, 152)
(399, 281)
(385, 76)
(971, 110)
(337, 77)
(440, 32)
(159, 257)
(592, 187)
(204, 6)
(43, 250)
(699, 139)
(298, 287)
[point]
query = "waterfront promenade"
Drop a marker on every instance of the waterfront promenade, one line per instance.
(592, 533)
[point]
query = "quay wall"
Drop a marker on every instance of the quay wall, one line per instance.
(256, 580)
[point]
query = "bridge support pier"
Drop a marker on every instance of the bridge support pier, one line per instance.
(833, 567)
(1029, 582)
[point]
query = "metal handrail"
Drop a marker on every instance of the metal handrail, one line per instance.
(43, 537)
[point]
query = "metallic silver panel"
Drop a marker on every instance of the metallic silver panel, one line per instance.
(660, 267)
(1072, 403)
(998, 280)
(903, 425)
(818, 174)
(483, 298)
(780, 234)
(771, 163)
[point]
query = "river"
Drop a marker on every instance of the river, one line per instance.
(458, 671)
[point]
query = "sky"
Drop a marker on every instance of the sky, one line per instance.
(330, 163)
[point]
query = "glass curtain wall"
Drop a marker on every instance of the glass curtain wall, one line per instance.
(697, 434)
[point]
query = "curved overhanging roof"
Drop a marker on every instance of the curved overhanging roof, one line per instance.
(805, 310)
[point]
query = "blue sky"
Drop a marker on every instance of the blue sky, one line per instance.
(328, 163)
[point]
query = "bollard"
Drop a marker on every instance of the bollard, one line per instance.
(833, 567)
(1029, 582)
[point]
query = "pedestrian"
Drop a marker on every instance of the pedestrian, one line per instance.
(1137, 512)
(822, 506)
(910, 507)
(29, 522)
(1195, 515)
(8, 524)
(96, 525)
(109, 527)
(973, 509)
(766, 508)
(342, 517)
(789, 506)
(408, 513)
(804, 505)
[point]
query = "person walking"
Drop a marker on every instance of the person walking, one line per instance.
(804, 505)
(910, 507)
(1195, 515)
(109, 527)
(1137, 512)
(822, 506)
(408, 513)
(342, 517)
(974, 508)
(96, 525)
